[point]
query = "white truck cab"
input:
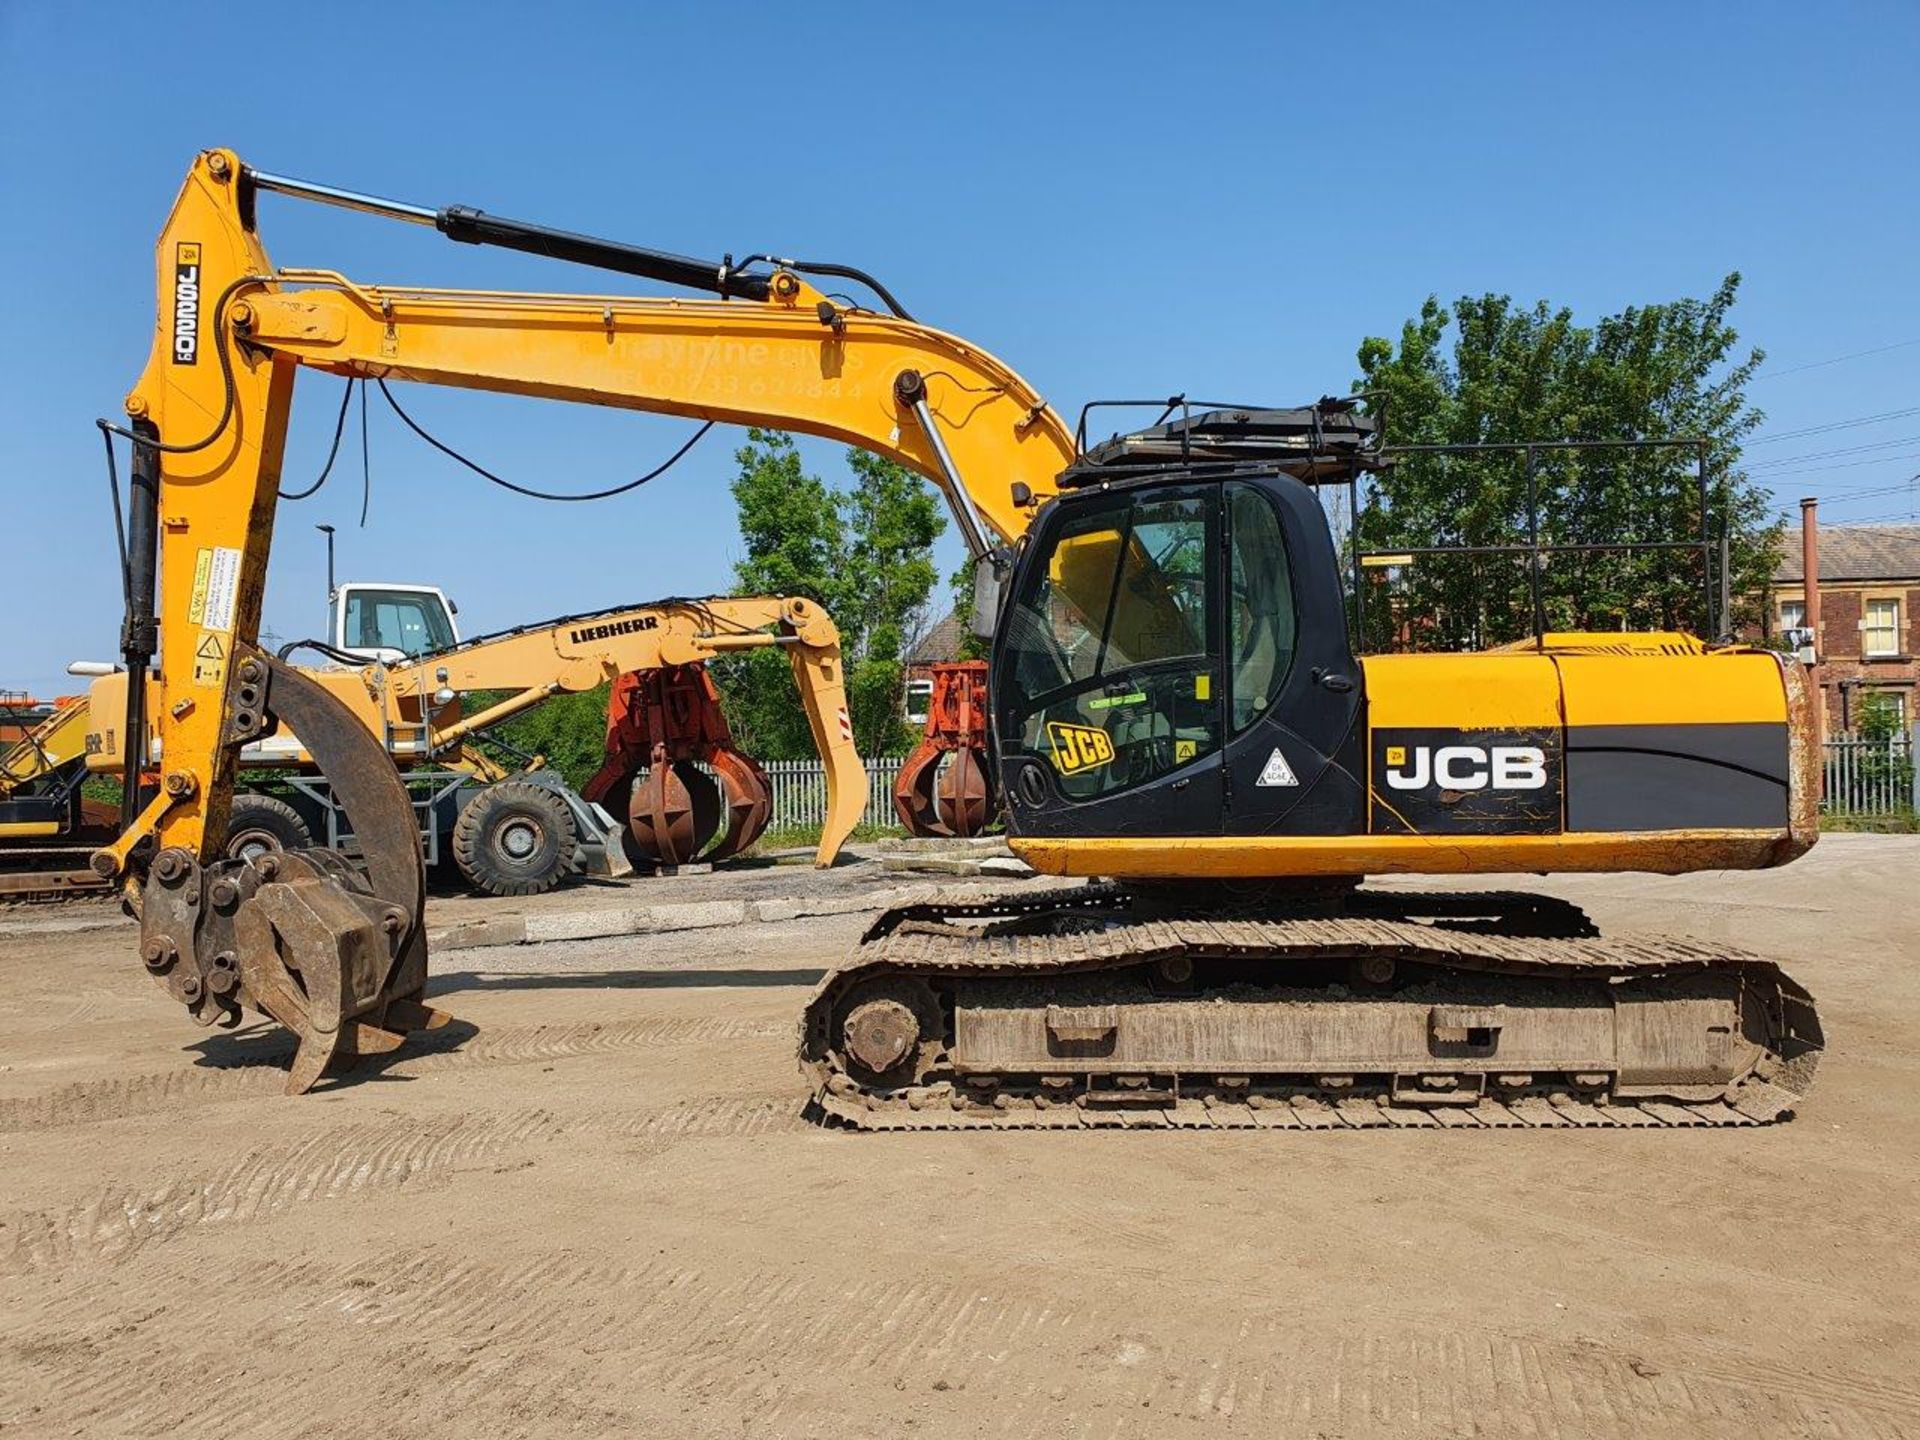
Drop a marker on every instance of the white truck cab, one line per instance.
(390, 621)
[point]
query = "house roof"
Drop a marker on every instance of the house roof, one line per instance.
(942, 643)
(1855, 552)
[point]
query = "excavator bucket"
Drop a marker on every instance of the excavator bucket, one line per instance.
(333, 950)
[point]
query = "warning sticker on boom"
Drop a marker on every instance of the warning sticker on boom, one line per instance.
(210, 659)
(216, 588)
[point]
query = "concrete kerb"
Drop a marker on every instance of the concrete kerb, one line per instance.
(601, 923)
(657, 919)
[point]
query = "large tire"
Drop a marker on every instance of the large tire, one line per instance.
(515, 838)
(260, 823)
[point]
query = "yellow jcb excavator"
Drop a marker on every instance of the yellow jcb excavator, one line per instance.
(1176, 706)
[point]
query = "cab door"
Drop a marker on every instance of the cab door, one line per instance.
(1107, 684)
(1294, 759)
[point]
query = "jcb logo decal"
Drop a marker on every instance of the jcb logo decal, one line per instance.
(1078, 747)
(1466, 767)
(186, 303)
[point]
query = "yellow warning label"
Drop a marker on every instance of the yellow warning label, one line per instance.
(1203, 687)
(1078, 747)
(210, 659)
(1396, 754)
(202, 569)
(1185, 750)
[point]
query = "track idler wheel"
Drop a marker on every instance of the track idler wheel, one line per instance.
(889, 1029)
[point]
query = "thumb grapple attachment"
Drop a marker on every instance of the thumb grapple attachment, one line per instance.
(334, 950)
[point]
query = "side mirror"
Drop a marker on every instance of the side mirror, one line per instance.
(990, 574)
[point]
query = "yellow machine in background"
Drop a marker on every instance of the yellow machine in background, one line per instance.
(47, 826)
(48, 748)
(1175, 703)
(516, 833)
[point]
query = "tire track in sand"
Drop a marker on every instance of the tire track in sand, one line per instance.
(430, 1335)
(388, 1154)
(118, 1097)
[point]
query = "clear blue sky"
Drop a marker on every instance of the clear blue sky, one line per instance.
(1117, 199)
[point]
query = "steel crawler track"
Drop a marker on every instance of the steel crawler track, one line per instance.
(1520, 949)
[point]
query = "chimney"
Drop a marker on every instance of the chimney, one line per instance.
(1810, 571)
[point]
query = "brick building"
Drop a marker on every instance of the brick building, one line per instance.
(946, 641)
(1869, 615)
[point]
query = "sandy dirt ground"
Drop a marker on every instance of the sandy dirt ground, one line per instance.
(601, 1213)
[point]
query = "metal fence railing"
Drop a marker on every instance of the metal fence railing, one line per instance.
(1868, 778)
(800, 792)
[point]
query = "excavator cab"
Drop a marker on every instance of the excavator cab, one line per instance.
(1173, 657)
(392, 622)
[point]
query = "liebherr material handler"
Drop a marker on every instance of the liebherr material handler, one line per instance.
(516, 834)
(1175, 706)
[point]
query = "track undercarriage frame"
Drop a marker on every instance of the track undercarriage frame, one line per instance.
(1095, 1007)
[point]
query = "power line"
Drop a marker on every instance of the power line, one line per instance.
(1830, 454)
(1882, 495)
(1870, 492)
(1837, 359)
(1848, 424)
(1891, 517)
(1773, 475)
(1866, 492)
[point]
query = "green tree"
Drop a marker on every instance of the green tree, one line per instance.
(1882, 768)
(1489, 370)
(569, 730)
(865, 552)
(960, 598)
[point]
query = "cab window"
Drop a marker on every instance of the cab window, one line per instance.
(1262, 625)
(403, 620)
(1112, 648)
